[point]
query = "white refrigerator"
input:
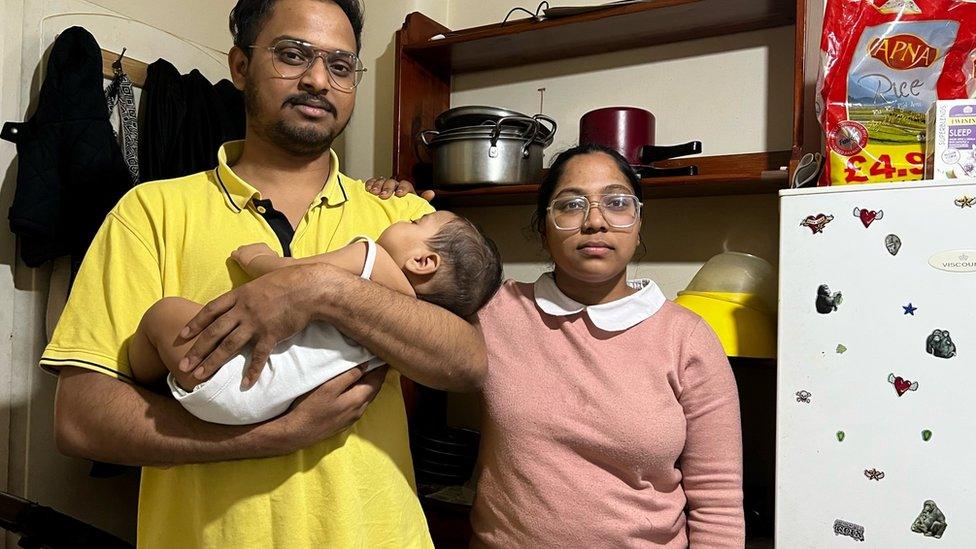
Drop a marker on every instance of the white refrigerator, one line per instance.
(876, 382)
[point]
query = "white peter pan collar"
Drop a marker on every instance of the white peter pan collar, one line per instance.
(614, 316)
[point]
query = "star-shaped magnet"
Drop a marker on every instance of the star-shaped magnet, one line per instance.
(909, 310)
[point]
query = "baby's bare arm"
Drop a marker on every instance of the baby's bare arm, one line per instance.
(260, 259)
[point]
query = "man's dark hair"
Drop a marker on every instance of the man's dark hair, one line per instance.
(470, 271)
(248, 16)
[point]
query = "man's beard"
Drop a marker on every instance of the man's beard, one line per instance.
(297, 140)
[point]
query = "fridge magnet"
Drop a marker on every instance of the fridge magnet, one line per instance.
(909, 309)
(816, 223)
(868, 217)
(966, 201)
(902, 385)
(893, 243)
(844, 528)
(840, 436)
(940, 344)
(874, 474)
(841, 349)
(827, 303)
(926, 435)
(803, 396)
(931, 522)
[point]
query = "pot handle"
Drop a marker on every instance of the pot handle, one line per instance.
(530, 130)
(540, 118)
(423, 136)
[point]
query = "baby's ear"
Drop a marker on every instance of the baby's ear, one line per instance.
(424, 263)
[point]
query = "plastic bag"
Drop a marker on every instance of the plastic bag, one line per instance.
(883, 64)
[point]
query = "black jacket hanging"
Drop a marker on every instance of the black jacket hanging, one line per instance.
(70, 170)
(186, 119)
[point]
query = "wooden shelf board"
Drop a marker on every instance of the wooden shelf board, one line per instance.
(527, 41)
(136, 70)
(750, 173)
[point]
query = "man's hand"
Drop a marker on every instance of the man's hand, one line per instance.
(249, 252)
(265, 312)
(333, 406)
(386, 187)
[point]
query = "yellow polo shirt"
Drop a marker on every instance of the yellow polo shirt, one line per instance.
(174, 238)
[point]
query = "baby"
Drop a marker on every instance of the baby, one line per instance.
(440, 258)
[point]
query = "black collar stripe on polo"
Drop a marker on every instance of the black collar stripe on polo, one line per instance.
(226, 192)
(279, 224)
(77, 361)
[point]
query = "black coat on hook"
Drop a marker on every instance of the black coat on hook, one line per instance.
(185, 121)
(70, 170)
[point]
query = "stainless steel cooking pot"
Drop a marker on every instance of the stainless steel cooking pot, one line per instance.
(505, 152)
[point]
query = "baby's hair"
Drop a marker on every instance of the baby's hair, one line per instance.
(471, 268)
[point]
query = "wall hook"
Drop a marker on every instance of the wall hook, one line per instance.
(117, 64)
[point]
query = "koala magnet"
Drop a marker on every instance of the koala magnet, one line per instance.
(931, 522)
(826, 302)
(940, 344)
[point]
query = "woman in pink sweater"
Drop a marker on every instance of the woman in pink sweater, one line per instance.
(611, 414)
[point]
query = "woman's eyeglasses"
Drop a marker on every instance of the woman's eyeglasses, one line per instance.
(619, 210)
(293, 58)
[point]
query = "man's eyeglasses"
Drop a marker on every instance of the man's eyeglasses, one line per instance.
(293, 58)
(619, 210)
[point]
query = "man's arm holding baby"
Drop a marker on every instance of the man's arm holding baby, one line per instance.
(104, 419)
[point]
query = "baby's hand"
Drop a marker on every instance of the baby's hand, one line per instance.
(246, 254)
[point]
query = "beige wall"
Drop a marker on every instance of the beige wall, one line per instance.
(204, 22)
(369, 136)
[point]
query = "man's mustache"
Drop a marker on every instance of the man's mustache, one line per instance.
(316, 101)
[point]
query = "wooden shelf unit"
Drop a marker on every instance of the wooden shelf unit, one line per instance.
(527, 41)
(425, 69)
(754, 173)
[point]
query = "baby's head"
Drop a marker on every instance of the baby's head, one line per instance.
(447, 259)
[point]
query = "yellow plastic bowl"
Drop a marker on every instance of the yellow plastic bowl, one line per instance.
(739, 320)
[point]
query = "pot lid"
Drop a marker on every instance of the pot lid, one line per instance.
(471, 115)
(483, 132)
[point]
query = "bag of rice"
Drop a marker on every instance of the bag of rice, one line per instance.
(883, 64)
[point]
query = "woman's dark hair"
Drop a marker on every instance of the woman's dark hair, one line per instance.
(248, 16)
(555, 173)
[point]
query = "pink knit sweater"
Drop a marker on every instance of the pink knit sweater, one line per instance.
(602, 439)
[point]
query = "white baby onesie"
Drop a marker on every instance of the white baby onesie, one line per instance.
(298, 365)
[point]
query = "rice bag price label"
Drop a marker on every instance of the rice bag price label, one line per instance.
(861, 169)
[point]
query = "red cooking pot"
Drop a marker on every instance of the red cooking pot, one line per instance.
(625, 129)
(630, 131)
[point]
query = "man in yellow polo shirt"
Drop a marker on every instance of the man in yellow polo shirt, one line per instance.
(334, 471)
